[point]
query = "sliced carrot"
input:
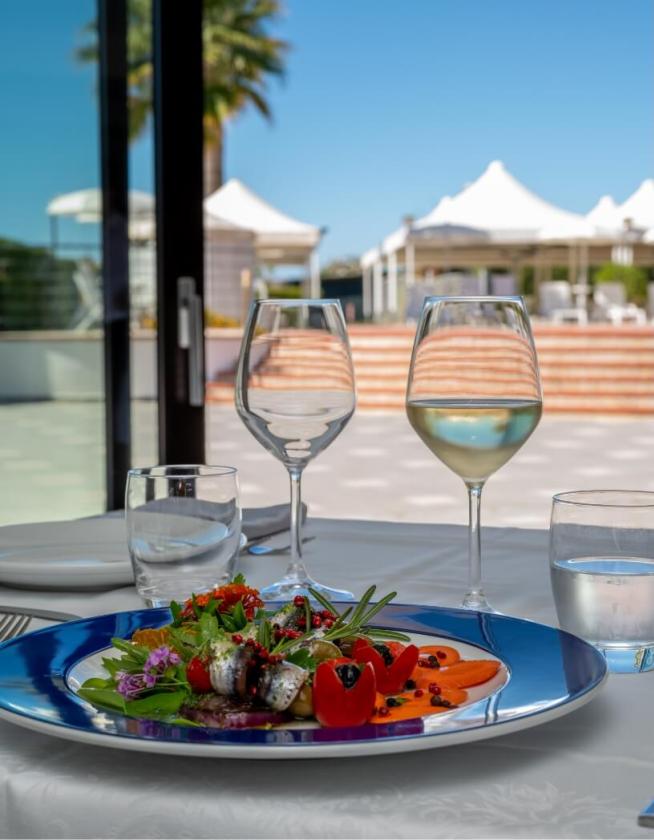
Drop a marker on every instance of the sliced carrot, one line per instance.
(467, 673)
(415, 707)
(445, 655)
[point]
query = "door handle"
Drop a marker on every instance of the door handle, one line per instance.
(190, 337)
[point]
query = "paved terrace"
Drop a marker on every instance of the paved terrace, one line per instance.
(378, 469)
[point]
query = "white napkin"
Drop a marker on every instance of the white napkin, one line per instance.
(105, 531)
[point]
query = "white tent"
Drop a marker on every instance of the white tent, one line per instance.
(86, 205)
(279, 239)
(495, 221)
(606, 216)
(498, 204)
(639, 207)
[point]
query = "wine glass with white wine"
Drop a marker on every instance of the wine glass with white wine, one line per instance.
(295, 393)
(474, 396)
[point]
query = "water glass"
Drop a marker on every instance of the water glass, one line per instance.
(183, 529)
(602, 569)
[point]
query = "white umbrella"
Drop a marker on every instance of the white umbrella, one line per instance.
(86, 205)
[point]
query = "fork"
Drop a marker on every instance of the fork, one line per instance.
(12, 625)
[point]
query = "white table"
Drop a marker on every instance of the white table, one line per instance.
(584, 775)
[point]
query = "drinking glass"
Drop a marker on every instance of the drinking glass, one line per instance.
(474, 396)
(602, 570)
(183, 529)
(295, 393)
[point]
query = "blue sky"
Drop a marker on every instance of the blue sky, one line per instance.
(386, 107)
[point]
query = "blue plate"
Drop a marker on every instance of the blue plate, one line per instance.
(548, 674)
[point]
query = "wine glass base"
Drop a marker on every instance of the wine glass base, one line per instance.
(479, 603)
(288, 587)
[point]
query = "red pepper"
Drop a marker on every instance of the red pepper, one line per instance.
(197, 673)
(391, 678)
(336, 705)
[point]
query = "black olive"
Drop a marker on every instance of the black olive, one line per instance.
(409, 685)
(433, 661)
(391, 701)
(385, 654)
(437, 700)
(348, 673)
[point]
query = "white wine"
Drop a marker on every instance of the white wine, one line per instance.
(474, 438)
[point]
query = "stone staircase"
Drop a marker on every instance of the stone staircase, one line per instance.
(597, 369)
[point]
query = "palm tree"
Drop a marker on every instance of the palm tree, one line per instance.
(239, 55)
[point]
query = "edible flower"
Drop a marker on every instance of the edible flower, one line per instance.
(392, 662)
(131, 685)
(343, 693)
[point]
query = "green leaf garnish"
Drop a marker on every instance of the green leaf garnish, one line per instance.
(161, 704)
(302, 657)
(107, 698)
(176, 612)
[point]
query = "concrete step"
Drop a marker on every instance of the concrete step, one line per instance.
(594, 369)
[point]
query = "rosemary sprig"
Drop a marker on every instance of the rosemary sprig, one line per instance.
(388, 635)
(342, 618)
(324, 602)
(307, 614)
(355, 623)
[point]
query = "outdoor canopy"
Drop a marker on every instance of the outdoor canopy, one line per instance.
(86, 205)
(496, 221)
(284, 238)
(639, 207)
(279, 239)
(606, 216)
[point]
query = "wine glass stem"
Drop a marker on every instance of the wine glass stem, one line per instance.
(474, 598)
(296, 569)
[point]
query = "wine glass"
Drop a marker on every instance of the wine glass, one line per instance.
(295, 393)
(474, 396)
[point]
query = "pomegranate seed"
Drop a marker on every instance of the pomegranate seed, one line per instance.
(328, 622)
(418, 692)
(441, 654)
(316, 621)
(237, 639)
(433, 688)
(298, 601)
(384, 711)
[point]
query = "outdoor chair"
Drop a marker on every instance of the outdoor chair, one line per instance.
(503, 284)
(455, 283)
(556, 303)
(87, 282)
(610, 304)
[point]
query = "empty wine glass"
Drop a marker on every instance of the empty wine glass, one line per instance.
(295, 393)
(474, 396)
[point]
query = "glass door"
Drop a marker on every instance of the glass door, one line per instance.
(52, 402)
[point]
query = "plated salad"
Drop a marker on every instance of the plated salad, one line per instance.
(225, 661)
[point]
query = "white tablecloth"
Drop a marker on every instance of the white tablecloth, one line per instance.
(584, 775)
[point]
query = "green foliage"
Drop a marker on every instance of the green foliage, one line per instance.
(633, 278)
(341, 268)
(36, 288)
(285, 291)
